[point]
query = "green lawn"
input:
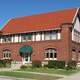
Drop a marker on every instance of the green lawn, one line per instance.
(28, 76)
(51, 71)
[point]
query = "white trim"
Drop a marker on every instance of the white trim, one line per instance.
(30, 31)
(59, 35)
(75, 15)
(50, 59)
(1, 40)
(24, 61)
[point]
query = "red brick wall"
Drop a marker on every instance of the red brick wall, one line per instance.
(66, 41)
(76, 46)
(63, 46)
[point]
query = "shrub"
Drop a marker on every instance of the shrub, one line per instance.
(1, 64)
(56, 64)
(23, 67)
(36, 64)
(45, 65)
(71, 65)
(5, 63)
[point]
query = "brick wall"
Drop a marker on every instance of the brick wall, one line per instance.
(63, 46)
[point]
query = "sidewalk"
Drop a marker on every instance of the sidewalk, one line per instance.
(13, 78)
(6, 78)
(72, 77)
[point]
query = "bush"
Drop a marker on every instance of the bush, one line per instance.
(5, 63)
(1, 64)
(56, 64)
(23, 67)
(45, 65)
(36, 64)
(71, 65)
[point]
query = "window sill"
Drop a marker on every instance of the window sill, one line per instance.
(50, 58)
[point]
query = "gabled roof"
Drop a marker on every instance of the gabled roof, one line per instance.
(40, 22)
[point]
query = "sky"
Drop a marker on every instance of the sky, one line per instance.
(17, 8)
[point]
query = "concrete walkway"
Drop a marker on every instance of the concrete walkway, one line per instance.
(13, 78)
(72, 77)
(6, 78)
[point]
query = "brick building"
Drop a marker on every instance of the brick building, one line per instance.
(48, 36)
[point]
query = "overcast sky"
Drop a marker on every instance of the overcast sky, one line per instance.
(15, 8)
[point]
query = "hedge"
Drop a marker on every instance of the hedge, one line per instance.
(36, 64)
(5, 63)
(56, 64)
(71, 65)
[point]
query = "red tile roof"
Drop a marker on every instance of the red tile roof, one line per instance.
(40, 22)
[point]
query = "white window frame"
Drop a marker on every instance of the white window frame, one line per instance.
(49, 52)
(6, 54)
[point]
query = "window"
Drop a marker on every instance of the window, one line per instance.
(38, 36)
(75, 36)
(24, 38)
(74, 54)
(50, 54)
(51, 35)
(47, 35)
(6, 39)
(54, 35)
(79, 55)
(6, 54)
(29, 37)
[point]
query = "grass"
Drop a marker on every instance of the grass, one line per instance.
(51, 71)
(23, 73)
(28, 76)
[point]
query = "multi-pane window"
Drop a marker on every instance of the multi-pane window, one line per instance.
(26, 37)
(76, 36)
(47, 35)
(51, 35)
(54, 35)
(6, 39)
(29, 37)
(36, 36)
(50, 54)
(6, 54)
